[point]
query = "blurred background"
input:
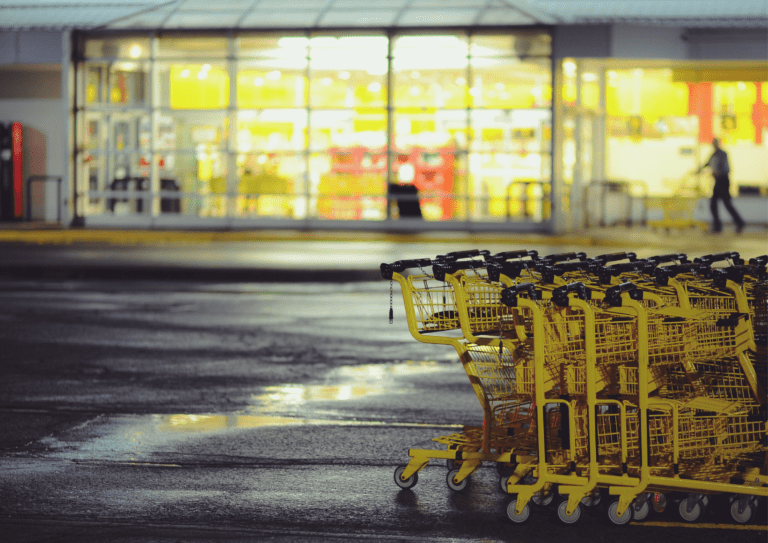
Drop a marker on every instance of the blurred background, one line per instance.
(548, 116)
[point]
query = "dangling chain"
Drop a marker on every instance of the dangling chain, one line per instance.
(501, 336)
(391, 312)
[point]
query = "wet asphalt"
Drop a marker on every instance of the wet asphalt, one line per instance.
(149, 407)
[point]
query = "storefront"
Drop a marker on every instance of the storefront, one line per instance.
(314, 126)
(323, 114)
(649, 125)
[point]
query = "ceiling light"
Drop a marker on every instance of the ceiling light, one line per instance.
(135, 51)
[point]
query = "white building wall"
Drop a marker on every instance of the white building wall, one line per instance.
(30, 93)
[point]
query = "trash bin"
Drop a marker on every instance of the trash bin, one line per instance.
(407, 198)
(171, 204)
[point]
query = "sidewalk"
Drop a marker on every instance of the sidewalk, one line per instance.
(40, 251)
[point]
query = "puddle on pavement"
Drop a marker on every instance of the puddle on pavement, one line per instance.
(132, 438)
(349, 383)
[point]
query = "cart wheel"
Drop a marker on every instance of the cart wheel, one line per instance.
(506, 469)
(410, 482)
(695, 514)
(592, 500)
(743, 517)
(514, 517)
(503, 483)
(562, 513)
(543, 499)
(613, 514)
(456, 487)
(659, 502)
(642, 513)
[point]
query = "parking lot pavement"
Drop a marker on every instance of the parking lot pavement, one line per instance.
(305, 256)
(270, 408)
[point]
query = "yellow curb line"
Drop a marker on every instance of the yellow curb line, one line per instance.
(705, 525)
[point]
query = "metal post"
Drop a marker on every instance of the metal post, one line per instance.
(390, 123)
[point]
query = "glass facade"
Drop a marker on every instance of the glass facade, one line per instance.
(315, 125)
(651, 123)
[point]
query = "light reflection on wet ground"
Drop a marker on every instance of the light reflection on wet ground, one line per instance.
(134, 438)
(349, 383)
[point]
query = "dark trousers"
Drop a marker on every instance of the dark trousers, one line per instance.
(722, 192)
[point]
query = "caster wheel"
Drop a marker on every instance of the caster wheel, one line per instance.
(503, 483)
(744, 516)
(592, 500)
(695, 514)
(659, 502)
(614, 517)
(410, 482)
(506, 469)
(642, 512)
(562, 513)
(514, 517)
(456, 487)
(543, 498)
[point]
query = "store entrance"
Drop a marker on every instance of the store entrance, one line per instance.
(640, 129)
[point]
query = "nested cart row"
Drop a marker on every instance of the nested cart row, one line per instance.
(606, 376)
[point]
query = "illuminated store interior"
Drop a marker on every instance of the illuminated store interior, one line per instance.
(515, 116)
(322, 125)
(298, 126)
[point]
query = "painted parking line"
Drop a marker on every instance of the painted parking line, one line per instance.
(711, 526)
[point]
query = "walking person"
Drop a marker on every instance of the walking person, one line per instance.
(718, 165)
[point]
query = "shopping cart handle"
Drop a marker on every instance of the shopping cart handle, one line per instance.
(663, 274)
(732, 319)
(508, 269)
(673, 257)
(440, 269)
(457, 255)
(615, 257)
(721, 276)
(508, 255)
(562, 257)
(719, 257)
(613, 294)
(401, 265)
(560, 294)
(639, 266)
(509, 295)
(550, 271)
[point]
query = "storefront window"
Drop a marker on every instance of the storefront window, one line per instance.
(305, 125)
(194, 86)
(189, 47)
(661, 122)
(120, 83)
